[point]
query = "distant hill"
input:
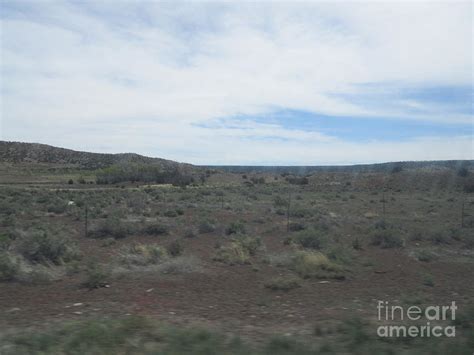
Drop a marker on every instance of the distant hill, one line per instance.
(362, 168)
(16, 152)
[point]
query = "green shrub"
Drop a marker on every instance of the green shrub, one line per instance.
(235, 228)
(280, 212)
(417, 235)
(110, 227)
(234, 253)
(96, 276)
(156, 229)
(283, 283)
(142, 255)
(190, 233)
(387, 238)
(424, 255)
(251, 244)
(299, 212)
(355, 332)
(428, 280)
(339, 254)
(180, 265)
(296, 226)
(382, 224)
(59, 207)
(357, 244)
(6, 208)
(280, 201)
(465, 317)
(107, 242)
(5, 242)
(439, 237)
(298, 180)
(9, 267)
(170, 213)
(206, 227)
(41, 247)
(311, 239)
(315, 264)
(175, 248)
(8, 221)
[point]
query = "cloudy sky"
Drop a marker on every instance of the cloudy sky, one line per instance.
(241, 83)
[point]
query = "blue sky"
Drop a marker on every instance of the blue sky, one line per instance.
(241, 83)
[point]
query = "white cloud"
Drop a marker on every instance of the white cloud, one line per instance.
(140, 77)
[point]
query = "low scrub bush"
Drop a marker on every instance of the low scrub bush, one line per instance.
(428, 280)
(355, 333)
(156, 229)
(96, 276)
(111, 227)
(340, 254)
(315, 264)
(6, 208)
(175, 248)
(59, 207)
(296, 226)
(280, 211)
(190, 233)
(357, 244)
(280, 260)
(382, 224)
(465, 318)
(234, 253)
(170, 213)
(107, 242)
(299, 212)
(298, 180)
(387, 238)
(425, 255)
(310, 239)
(180, 265)
(40, 274)
(42, 247)
(251, 244)
(280, 201)
(142, 255)
(5, 242)
(440, 237)
(236, 228)
(283, 283)
(9, 266)
(417, 235)
(206, 227)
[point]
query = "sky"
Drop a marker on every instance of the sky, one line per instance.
(241, 83)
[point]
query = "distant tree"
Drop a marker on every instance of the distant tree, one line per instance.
(70, 182)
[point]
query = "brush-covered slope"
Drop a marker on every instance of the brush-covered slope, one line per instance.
(16, 152)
